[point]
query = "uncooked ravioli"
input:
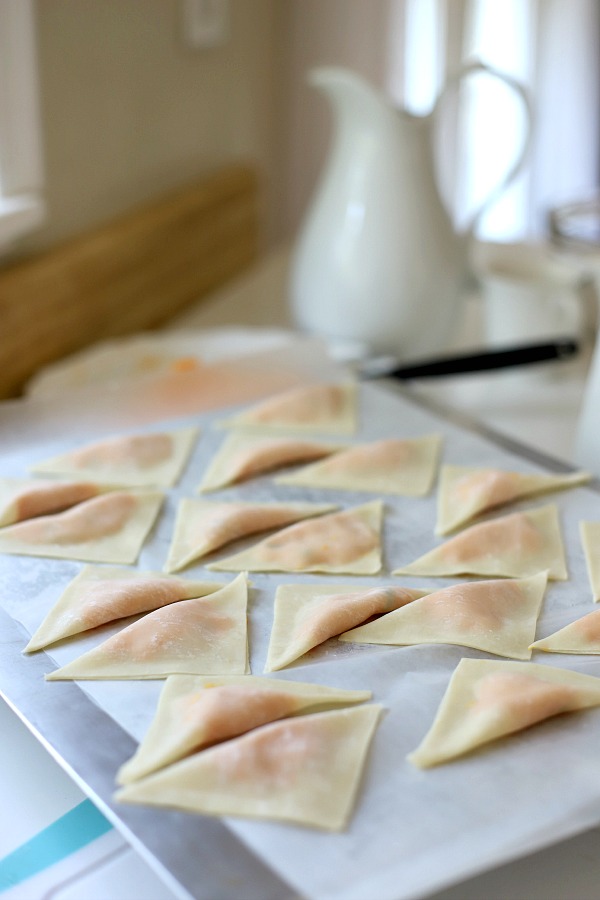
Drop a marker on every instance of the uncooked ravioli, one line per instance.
(27, 498)
(202, 526)
(245, 456)
(405, 467)
(110, 528)
(197, 711)
(155, 459)
(325, 408)
(343, 542)
(305, 770)
(486, 700)
(581, 637)
(511, 546)
(101, 594)
(590, 538)
(204, 636)
(306, 615)
(497, 616)
(466, 492)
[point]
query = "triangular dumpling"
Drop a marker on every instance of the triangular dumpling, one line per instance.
(487, 699)
(466, 492)
(205, 636)
(28, 498)
(306, 615)
(581, 636)
(495, 616)
(326, 408)
(110, 528)
(393, 466)
(590, 538)
(305, 770)
(139, 460)
(202, 526)
(343, 542)
(102, 594)
(244, 456)
(512, 546)
(197, 711)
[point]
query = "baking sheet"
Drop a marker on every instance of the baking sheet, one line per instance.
(412, 831)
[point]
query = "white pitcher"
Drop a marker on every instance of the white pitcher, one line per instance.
(378, 261)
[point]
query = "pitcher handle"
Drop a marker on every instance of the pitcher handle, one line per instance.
(473, 68)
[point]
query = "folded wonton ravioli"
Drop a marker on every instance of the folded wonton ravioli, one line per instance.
(204, 636)
(581, 636)
(203, 526)
(405, 467)
(27, 498)
(590, 538)
(466, 492)
(495, 616)
(342, 542)
(326, 408)
(197, 711)
(244, 456)
(305, 770)
(110, 528)
(308, 614)
(138, 460)
(487, 699)
(512, 546)
(102, 594)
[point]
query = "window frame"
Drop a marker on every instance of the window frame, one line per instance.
(21, 167)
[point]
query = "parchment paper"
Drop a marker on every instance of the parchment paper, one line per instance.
(412, 831)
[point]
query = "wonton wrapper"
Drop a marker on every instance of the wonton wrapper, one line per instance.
(244, 456)
(203, 526)
(590, 538)
(326, 408)
(495, 616)
(28, 498)
(466, 492)
(305, 770)
(155, 459)
(404, 467)
(512, 546)
(204, 636)
(487, 699)
(581, 636)
(343, 542)
(102, 594)
(306, 615)
(197, 711)
(110, 528)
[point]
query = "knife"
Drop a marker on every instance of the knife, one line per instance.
(486, 360)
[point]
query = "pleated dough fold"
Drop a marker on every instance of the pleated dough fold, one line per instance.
(204, 636)
(486, 700)
(512, 546)
(405, 467)
(197, 711)
(325, 408)
(343, 542)
(306, 615)
(466, 492)
(109, 528)
(101, 594)
(305, 770)
(155, 459)
(495, 616)
(202, 526)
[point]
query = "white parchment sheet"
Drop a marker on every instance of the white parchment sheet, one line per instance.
(412, 831)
